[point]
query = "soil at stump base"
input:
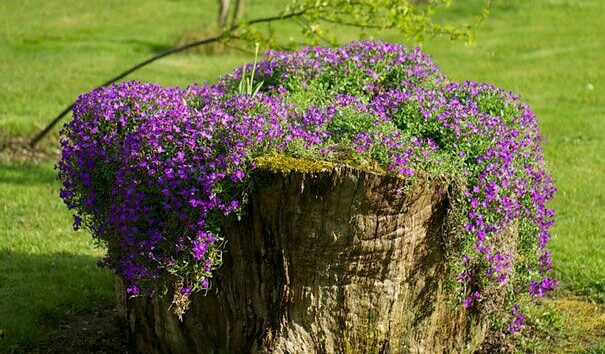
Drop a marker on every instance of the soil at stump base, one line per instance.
(97, 332)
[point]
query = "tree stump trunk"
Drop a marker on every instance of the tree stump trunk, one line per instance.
(338, 261)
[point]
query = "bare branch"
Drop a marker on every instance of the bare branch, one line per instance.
(350, 24)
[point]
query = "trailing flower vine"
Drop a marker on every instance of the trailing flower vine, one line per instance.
(156, 173)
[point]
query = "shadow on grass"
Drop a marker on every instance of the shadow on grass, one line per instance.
(147, 46)
(20, 173)
(38, 291)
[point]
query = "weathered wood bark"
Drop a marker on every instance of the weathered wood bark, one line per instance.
(329, 262)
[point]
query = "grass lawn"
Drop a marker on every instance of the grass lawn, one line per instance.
(549, 51)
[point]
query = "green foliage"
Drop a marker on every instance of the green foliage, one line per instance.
(317, 20)
(414, 21)
(598, 348)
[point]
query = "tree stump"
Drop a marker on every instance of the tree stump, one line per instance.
(335, 261)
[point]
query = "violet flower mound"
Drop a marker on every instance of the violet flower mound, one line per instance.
(157, 173)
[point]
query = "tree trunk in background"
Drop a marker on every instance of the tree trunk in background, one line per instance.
(223, 13)
(238, 11)
(326, 262)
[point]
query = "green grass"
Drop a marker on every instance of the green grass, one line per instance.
(47, 270)
(549, 51)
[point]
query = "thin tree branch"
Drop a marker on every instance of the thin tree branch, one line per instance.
(47, 129)
(350, 24)
(234, 47)
(181, 48)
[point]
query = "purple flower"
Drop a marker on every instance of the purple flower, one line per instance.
(199, 249)
(518, 318)
(237, 175)
(155, 172)
(133, 290)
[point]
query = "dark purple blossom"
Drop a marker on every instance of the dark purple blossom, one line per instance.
(517, 319)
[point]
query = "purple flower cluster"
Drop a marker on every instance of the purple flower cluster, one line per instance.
(517, 319)
(155, 173)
